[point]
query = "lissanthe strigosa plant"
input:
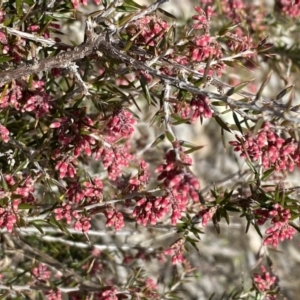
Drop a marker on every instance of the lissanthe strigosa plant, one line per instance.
(135, 157)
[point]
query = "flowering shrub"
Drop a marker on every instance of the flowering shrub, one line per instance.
(104, 193)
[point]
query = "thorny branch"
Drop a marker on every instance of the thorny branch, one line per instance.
(111, 46)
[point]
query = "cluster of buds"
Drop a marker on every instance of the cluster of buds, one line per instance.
(265, 283)
(147, 289)
(65, 167)
(37, 100)
(114, 218)
(200, 108)
(109, 293)
(176, 251)
(72, 130)
(77, 3)
(120, 125)
(204, 48)
(21, 192)
(267, 147)
(8, 214)
(139, 182)
(180, 183)
(65, 212)
(54, 295)
(34, 99)
(290, 8)
(150, 291)
(280, 230)
(239, 42)
(4, 133)
(91, 190)
(13, 96)
(151, 209)
(233, 9)
(203, 18)
(148, 29)
(69, 213)
(83, 224)
(41, 272)
(15, 48)
(114, 158)
(206, 215)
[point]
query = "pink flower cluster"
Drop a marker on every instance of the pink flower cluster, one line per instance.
(87, 193)
(265, 283)
(109, 293)
(207, 214)
(268, 148)
(77, 3)
(150, 290)
(68, 212)
(66, 167)
(9, 214)
(151, 209)
(72, 131)
(205, 47)
(4, 133)
(120, 125)
(280, 230)
(181, 184)
(233, 9)
(114, 158)
(203, 18)
(198, 107)
(34, 99)
(176, 251)
(114, 217)
(175, 176)
(54, 295)
(137, 182)
(41, 272)
(14, 48)
(18, 192)
(289, 7)
(148, 29)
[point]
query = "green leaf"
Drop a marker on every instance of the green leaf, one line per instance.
(257, 230)
(158, 140)
(145, 89)
(193, 149)
(170, 136)
(267, 174)
(37, 226)
(167, 14)
(60, 225)
(263, 86)
(4, 183)
(222, 123)
(227, 28)
(19, 7)
(284, 92)
(56, 15)
(237, 122)
(5, 58)
(132, 3)
(258, 125)
(237, 88)
(250, 165)
(25, 206)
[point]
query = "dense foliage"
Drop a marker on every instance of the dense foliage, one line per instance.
(91, 155)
